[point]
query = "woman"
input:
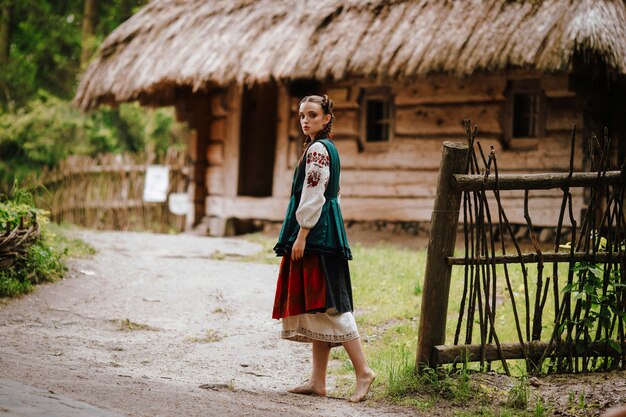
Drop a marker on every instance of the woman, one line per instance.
(314, 294)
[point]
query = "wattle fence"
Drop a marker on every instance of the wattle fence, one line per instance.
(109, 192)
(582, 280)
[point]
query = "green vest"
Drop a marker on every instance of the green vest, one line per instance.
(328, 236)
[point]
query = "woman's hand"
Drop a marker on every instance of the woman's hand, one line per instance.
(297, 251)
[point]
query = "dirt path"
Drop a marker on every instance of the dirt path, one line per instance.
(209, 325)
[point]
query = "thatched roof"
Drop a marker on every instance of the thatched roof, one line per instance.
(197, 43)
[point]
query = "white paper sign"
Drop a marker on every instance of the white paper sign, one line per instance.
(178, 203)
(155, 186)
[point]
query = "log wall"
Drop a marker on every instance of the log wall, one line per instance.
(396, 181)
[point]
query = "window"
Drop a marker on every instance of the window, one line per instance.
(376, 116)
(525, 111)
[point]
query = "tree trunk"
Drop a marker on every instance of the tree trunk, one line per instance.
(5, 30)
(90, 15)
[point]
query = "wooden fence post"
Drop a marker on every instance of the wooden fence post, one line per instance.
(441, 241)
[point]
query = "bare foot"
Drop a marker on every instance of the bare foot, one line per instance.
(362, 387)
(309, 388)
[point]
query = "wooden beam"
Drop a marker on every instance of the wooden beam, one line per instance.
(535, 181)
(450, 354)
(534, 258)
(444, 220)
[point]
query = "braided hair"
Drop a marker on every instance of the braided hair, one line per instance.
(327, 108)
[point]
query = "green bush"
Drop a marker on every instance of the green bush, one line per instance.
(43, 259)
(49, 129)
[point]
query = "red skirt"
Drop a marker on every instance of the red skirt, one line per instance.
(301, 287)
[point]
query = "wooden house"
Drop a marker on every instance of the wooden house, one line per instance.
(403, 75)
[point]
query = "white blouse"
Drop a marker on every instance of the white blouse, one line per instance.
(317, 173)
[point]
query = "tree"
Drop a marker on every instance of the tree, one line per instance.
(90, 15)
(5, 31)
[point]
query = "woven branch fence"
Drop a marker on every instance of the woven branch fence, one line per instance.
(107, 192)
(583, 280)
(15, 242)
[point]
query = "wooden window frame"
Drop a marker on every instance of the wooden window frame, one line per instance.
(525, 86)
(368, 94)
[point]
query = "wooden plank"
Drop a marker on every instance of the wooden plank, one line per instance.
(536, 181)
(562, 113)
(215, 180)
(401, 154)
(346, 122)
(554, 82)
(547, 257)
(357, 209)
(446, 88)
(373, 183)
(445, 217)
(281, 157)
(264, 208)
(218, 129)
(438, 119)
(215, 153)
(451, 354)
(232, 140)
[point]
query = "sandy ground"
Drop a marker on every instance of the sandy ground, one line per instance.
(207, 345)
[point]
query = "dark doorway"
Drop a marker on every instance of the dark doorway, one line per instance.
(258, 140)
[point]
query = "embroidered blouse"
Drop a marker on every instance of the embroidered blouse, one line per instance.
(317, 173)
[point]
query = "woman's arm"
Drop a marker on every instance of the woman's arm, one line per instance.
(317, 173)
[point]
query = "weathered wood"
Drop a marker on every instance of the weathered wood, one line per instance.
(353, 208)
(346, 122)
(215, 180)
(445, 88)
(215, 153)
(218, 129)
(282, 178)
(434, 119)
(534, 258)
(445, 217)
(535, 181)
(458, 354)
(232, 139)
(562, 113)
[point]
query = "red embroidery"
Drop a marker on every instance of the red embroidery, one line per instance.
(319, 158)
(313, 178)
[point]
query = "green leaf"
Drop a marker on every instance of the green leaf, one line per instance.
(615, 346)
(596, 271)
(568, 287)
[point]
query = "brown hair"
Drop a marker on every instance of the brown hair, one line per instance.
(327, 108)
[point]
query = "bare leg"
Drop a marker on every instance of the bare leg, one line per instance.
(316, 385)
(364, 374)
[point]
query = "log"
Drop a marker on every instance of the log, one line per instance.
(534, 258)
(535, 181)
(435, 119)
(444, 220)
(450, 354)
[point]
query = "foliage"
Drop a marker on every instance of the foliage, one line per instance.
(38, 124)
(18, 206)
(49, 129)
(519, 394)
(46, 42)
(43, 261)
(597, 287)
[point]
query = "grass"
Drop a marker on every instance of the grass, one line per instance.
(127, 325)
(387, 286)
(210, 336)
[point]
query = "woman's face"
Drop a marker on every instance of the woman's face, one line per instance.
(312, 118)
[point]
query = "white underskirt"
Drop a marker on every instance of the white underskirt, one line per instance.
(333, 328)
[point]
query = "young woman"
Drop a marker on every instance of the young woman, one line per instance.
(314, 294)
